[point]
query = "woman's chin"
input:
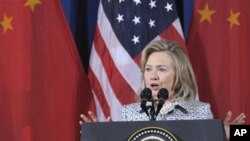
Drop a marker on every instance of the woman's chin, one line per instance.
(155, 92)
(154, 96)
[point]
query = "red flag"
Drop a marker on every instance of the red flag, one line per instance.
(42, 82)
(219, 50)
(123, 30)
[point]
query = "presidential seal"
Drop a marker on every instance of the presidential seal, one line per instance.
(152, 134)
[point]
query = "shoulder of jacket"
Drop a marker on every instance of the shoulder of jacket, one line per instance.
(132, 105)
(193, 102)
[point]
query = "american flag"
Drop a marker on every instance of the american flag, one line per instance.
(124, 28)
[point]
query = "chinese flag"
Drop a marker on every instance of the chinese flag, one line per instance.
(218, 46)
(42, 82)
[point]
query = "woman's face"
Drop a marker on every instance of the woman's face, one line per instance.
(159, 73)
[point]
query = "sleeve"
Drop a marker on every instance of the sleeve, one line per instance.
(124, 116)
(206, 112)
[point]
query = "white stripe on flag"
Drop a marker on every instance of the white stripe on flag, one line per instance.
(99, 72)
(124, 63)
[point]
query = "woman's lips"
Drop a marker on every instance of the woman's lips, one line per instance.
(155, 87)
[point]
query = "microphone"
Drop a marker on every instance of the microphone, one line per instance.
(145, 95)
(162, 97)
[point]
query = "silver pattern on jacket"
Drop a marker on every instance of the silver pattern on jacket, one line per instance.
(179, 110)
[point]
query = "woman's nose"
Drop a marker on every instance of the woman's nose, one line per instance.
(154, 76)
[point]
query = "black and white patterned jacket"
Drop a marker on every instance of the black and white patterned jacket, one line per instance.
(179, 110)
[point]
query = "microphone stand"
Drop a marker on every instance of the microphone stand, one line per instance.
(152, 112)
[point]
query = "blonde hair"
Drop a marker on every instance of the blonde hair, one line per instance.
(184, 86)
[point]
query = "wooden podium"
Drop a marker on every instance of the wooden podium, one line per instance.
(179, 130)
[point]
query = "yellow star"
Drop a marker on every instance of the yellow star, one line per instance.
(6, 23)
(206, 14)
(233, 19)
(32, 4)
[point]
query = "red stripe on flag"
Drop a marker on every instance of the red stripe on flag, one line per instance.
(172, 34)
(121, 88)
(137, 59)
(95, 85)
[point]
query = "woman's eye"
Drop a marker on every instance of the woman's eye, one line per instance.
(147, 69)
(162, 69)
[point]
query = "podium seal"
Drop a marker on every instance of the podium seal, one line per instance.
(152, 134)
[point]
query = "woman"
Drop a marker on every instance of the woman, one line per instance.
(164, 64)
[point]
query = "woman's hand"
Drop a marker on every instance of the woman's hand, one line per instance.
(92, 118)
(240, 119)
